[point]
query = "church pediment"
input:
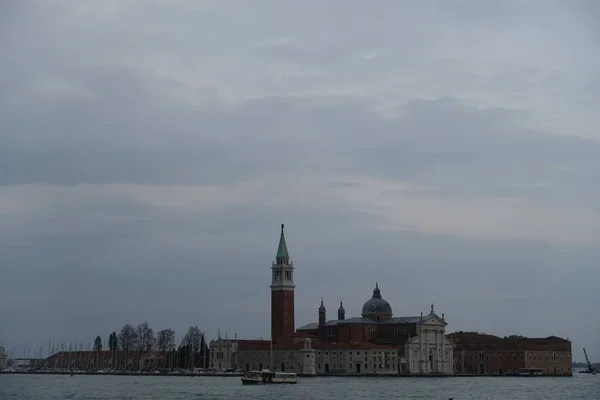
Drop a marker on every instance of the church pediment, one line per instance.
(433, 319)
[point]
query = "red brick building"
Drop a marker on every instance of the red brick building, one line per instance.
(104, 359)
(482, 354)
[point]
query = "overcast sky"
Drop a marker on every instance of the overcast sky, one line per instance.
(149, 152)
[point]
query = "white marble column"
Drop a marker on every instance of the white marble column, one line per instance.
(444, 361)
(427, 351)
(421, 350)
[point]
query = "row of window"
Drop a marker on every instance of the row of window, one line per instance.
(366, 366)
(375, 358)
(495, 369)
(549, 357)
(373, 352)
(374, 333)
(501, 357)
(219, 355)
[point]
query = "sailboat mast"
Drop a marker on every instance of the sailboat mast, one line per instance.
(271, 363)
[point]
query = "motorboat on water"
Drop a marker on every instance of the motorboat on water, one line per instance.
(531, 371)
(266, 376)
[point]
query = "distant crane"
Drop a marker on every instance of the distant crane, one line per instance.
(590, 369)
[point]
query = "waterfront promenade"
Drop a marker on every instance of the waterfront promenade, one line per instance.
(239, 374)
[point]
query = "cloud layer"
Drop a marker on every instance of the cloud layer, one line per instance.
(150, 152)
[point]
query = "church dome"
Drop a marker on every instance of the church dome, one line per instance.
(376, 305)
(322, 307)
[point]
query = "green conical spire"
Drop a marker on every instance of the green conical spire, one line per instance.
(282, 251)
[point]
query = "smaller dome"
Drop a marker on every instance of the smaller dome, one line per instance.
(341, 309)
(322, 307)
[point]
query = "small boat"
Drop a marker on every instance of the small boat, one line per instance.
(531, 371)
(587, 371)
(268, 377)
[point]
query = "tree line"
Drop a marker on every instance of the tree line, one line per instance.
(191, 351)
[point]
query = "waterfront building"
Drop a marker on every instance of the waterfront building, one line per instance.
(482, 354)
(374, 343)
(3, 358)
(221, 354)
(106, 359)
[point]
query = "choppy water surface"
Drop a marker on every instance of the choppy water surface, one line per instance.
(46, 387)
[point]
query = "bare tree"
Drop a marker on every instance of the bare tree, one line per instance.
(192, 338)
(145, 336)
(128, 338)
(165, 340)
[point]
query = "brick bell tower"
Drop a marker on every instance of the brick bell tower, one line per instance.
(282, 293)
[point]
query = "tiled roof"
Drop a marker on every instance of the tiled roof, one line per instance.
(254, 344)
(313, 326)
(221, 342)
(402, 320)
(357, 320)
(465, 340)
(361, 320)
(351, 345)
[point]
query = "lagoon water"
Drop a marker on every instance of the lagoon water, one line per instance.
(59, 387)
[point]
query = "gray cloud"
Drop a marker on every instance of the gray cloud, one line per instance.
(147, 162)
